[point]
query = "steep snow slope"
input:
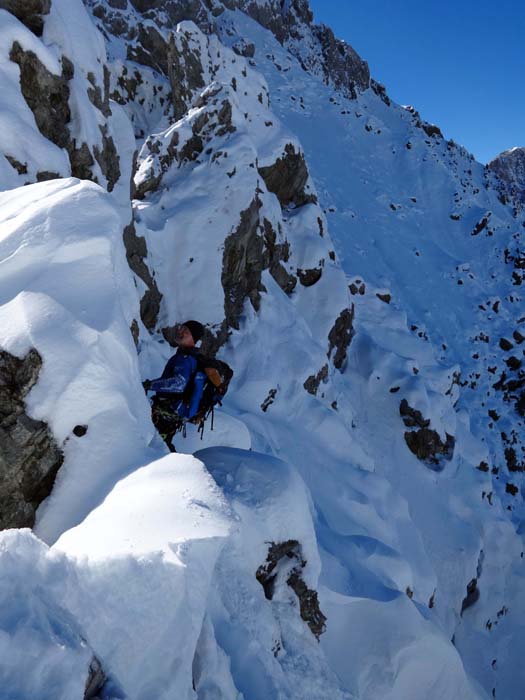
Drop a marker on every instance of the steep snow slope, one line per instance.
(64, 287)
(363, 541)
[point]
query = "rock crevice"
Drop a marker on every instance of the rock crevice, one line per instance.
(29, 456)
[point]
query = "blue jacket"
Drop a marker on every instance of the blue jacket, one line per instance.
(183, 381)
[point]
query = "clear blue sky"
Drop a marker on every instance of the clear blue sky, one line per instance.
(461, 64)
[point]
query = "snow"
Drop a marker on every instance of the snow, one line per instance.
(41, 645)
(19, 135)
(145, 560)
(61, 252)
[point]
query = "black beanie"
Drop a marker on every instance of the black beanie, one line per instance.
(196, 329)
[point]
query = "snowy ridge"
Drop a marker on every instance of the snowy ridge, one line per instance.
(348, 529)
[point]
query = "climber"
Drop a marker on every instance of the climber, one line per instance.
(189, 387)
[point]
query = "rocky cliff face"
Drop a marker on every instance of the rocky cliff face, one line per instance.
(509, 168)
(29, 455)
(146, 25)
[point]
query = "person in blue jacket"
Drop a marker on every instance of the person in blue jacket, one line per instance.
(179, 390)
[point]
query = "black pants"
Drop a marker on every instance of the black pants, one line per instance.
(166, 420)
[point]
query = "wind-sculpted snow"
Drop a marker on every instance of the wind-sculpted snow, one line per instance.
(42, 649)
(64, 284)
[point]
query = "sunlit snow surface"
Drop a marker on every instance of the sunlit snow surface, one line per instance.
(155, 573)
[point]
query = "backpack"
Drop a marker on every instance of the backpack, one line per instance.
(212, 396)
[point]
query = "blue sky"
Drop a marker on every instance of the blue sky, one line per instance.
(461, 64)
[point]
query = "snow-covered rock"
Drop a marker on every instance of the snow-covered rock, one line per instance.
(509, 167)
(66, 296)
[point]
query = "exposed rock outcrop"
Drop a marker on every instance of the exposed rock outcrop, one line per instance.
(275, 256)
(242, 265)
(285, 560)
(509, 167)
(312, 383)
(29, 455)
(136, 252)
(29, 12)
(95, 680)
(314, 46)
(287, 178)
(341, 336)
(47, 95)
(310, 277)
(422, 441)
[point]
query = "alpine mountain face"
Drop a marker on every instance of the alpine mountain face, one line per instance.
(352, 527)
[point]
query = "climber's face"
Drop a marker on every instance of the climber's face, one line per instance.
(183, 337)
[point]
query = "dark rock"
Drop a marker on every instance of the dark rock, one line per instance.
(518, 337)
(81, 160)
(80, 430)
(312, 383)
(505, 344)
(29, 12)
(357, 287)
(95, 680)
(287, 178)
(108, 159)
(511, 488)
(431, 129)
(412, 418)
(44, 175)
(513, 363)
(29, 455)
(427, 445)
(267, 573)
(136, 252)
(46, 94)
(424, 442)
(308, 603)
(387, 298)
(21, 168)
(268, 400)
(380, 91)
(244, 48)
(512, 460)
(481, 225)
(185, 74)
(286, 559)
(242, 265)
(191, 149)
(150, 49)
(275, 254)
(520, 404)
(135, 332)
(99, 96)
(341, 336)
(509, 167)
(472, 595)
(342, 65)
(309, 277)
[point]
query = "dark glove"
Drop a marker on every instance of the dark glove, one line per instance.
(146, 384)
